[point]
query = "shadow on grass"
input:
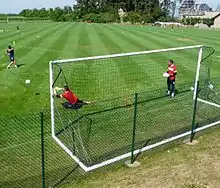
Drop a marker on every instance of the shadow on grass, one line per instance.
(20, 65)
(66, 176)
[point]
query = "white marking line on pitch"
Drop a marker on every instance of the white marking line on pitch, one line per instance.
(22, 144)
(210, 103)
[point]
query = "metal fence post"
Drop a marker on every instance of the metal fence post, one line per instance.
(42, 149)
(194, 114)
(134, 128)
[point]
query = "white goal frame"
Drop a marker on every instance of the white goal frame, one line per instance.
(126, 155)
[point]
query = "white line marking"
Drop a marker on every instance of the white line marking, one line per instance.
(210, 103)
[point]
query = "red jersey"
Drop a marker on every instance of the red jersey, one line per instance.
(172, 71)
(70, 97)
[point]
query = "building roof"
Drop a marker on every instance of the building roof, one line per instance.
(187, 4)
(189, 7)
(209, 15)
(202, 7)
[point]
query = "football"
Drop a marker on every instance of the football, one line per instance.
(166, 75)
(27, 81)
(211, 86)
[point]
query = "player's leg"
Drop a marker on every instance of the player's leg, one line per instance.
(172, 88)
(67, 105)
(14, 62)
(9, 65)
(83, 102)
(168, 86)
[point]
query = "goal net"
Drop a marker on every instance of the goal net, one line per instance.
(100, 133)
(208, 80)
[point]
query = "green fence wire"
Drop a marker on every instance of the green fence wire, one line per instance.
(95, 133)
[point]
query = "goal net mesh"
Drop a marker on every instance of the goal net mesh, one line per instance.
(208, 108)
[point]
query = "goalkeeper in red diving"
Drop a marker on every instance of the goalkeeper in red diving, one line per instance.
(172, 72)
(72, 101)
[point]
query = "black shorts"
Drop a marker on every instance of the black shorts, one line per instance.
(75, 106)
(12, 58)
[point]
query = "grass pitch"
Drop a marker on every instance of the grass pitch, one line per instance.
(36, 44)
(175, 167)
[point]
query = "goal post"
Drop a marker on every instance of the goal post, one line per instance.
(100, 133)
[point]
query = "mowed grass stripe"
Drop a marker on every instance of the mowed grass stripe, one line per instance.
(184, 34)
(23, 73)
(33, 126)
(40, 69)
(147, 63)
(20, 37)
(26, 37)
(151, 64)
(70, 49)
(79, 74)
(126, 65)
(31, 30)
(189, 65)
(101, 71)
(189, 56)
(90, 72)
(112, 81)
(12, 34)
(42, 63)
(158, 59)
(20, 55)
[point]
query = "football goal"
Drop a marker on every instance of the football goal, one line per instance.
(129, 89)
(15, 19)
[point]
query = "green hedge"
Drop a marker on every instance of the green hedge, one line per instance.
(100, 18)
(193, 21)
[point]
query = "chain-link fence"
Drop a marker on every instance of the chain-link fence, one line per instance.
(94, 133)
(22, 159)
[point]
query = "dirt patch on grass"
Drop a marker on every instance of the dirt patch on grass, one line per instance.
(184, 39)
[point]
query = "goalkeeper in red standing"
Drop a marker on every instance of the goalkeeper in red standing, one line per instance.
(171, 78)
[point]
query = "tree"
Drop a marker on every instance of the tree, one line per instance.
(104, 11)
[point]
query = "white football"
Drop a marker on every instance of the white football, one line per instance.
(211, 86)
(27, 81)
(166, 75)
(192, 88)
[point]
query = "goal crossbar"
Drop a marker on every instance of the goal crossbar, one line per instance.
(124, 54)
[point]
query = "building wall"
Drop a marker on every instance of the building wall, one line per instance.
(217, 22)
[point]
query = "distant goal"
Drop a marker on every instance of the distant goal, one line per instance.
(15, 19)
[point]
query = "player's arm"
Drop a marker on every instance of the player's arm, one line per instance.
(9, 50)
(55, 92)
(6, 52)
(175, 71)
